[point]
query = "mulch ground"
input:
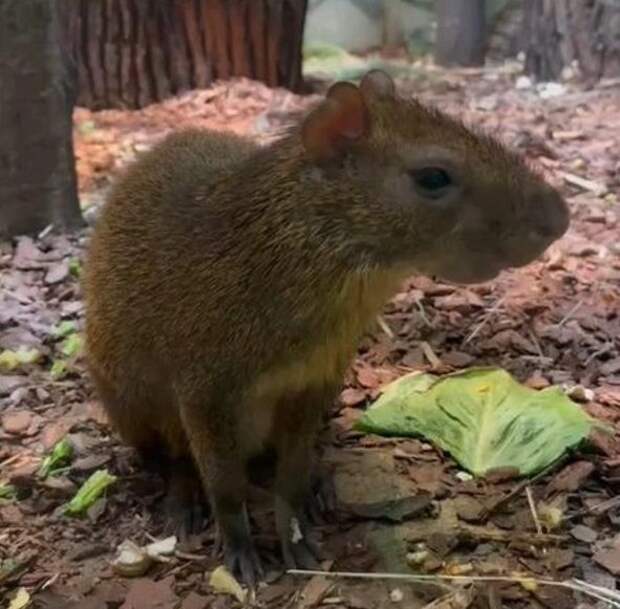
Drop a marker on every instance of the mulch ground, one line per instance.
(555, 322)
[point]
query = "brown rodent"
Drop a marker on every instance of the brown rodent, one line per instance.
(228, 285)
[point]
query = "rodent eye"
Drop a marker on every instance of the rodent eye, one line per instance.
(431, 181)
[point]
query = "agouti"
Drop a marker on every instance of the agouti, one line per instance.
(227, 285)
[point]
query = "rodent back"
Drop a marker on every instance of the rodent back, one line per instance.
(136, 256)
(224, 256)
(208, 227)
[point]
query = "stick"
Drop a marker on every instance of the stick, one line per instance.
(572, 311)
(422, 312)
(583, 183)
(530, 501)
(430, 355)
(384, 326)
(494, 309)
(483, 533)
(603, 594)
(599, 508)
(520, 487)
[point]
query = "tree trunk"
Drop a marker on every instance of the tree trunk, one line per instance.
(505, 40)
(562, 33)
(37, 168)
(460, 32)
(135, 52)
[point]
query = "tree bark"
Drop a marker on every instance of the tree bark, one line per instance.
(135, 52)
(562, 33)
(505, 38)
(38, 184)
(460, 32)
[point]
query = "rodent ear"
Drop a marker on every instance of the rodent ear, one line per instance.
(378, 83)
(336, 123)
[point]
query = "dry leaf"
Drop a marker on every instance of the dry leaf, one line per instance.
(223, 582)
(20, 600)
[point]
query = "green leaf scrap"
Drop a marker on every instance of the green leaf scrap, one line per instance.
(10, 360)
(483, 417)
(75, 267)
(7, 491)
(8, 568)
(59, 369)
(72, 345)
(89, 492)
(64, 328)
(59, 457)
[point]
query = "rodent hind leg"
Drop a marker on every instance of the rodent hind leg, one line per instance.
(147, 420)
(223, 469)
(186, 507)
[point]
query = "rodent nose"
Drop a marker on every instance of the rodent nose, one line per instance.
(551, 216)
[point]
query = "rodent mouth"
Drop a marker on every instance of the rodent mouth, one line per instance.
(518, 259)
(480, 274)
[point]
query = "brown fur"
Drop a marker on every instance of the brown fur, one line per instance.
(227, 286)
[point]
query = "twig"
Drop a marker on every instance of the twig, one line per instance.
(384, 326)
(583, 183)
(485, 534)
(11, 460)
(46, 231)
(530, 501)
(485, 320)
(598, 509)
(45, 584)
(604, 349)
(604, 594)
(543, 361)
(519, 488)
(430, 355)
(534, 339)
(599, 589)
(422, 312)
(572, 311)
(50, 582)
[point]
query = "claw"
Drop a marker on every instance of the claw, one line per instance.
(240, 556)
(244, 562)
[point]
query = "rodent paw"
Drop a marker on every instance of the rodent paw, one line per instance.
(299, 551)
(303, 554)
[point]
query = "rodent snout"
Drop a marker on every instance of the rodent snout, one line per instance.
(546, 220)
(550, 216)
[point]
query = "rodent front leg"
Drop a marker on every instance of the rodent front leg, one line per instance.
(298, 424)
(222, 465)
